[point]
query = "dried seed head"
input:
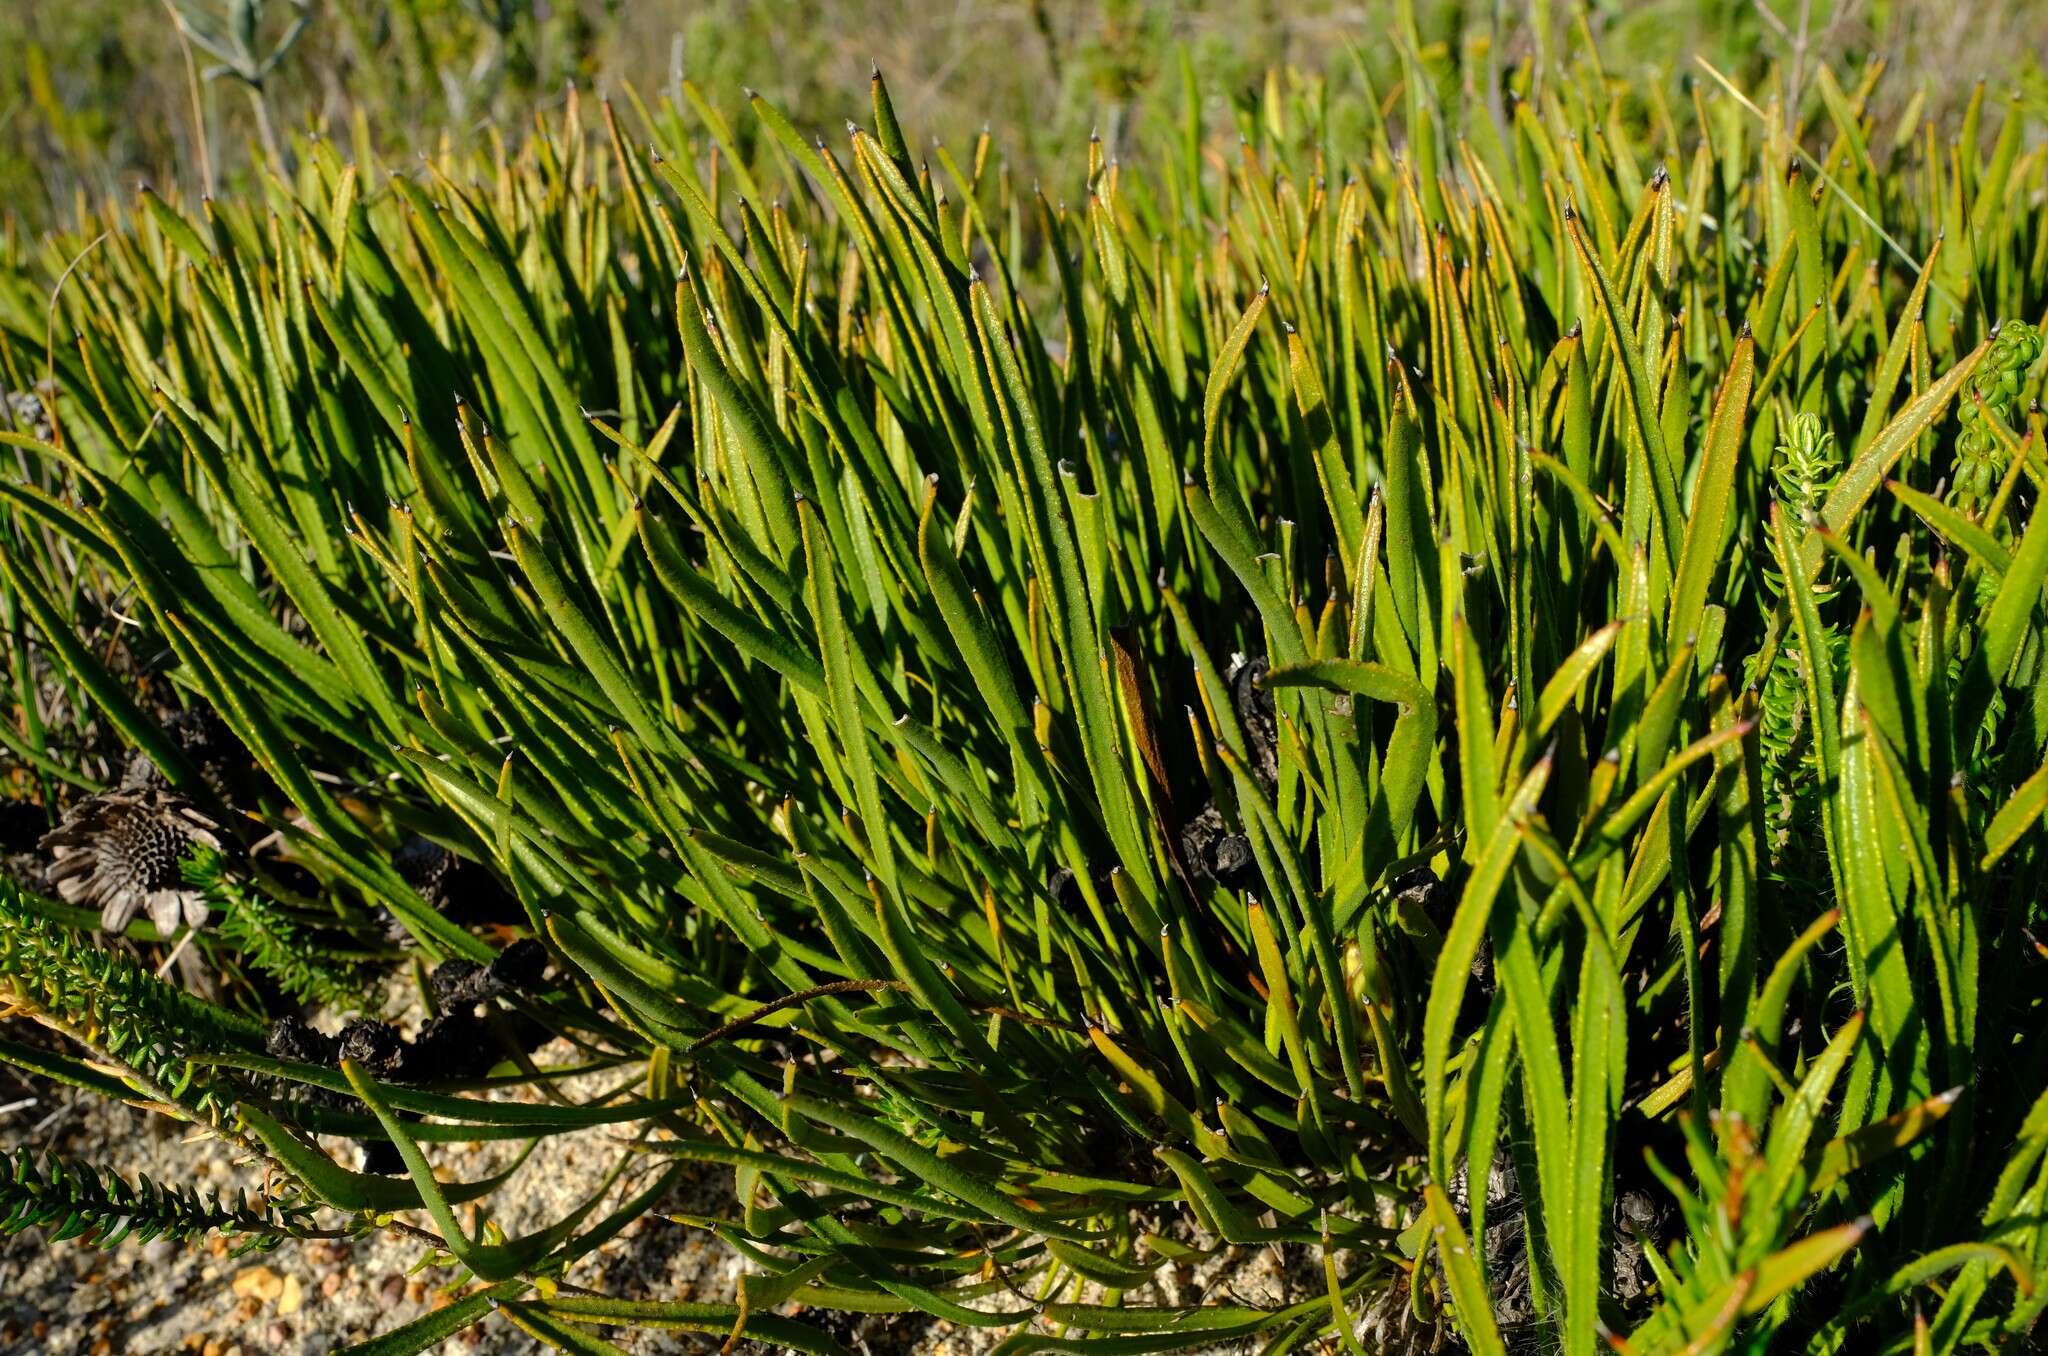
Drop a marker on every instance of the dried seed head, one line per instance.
(124, 851)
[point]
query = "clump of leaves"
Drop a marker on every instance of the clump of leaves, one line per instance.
(1087, 735)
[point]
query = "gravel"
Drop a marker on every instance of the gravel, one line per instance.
(315, 1296)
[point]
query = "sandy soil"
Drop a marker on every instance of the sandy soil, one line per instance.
(306, 1298)
(310, 1297)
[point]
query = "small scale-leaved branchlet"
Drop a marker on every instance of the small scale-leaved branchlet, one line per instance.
(116, 1007)
(67, 1199)
(1804, 468)
(1985, 412)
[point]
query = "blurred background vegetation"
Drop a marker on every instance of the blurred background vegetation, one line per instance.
(98, 94)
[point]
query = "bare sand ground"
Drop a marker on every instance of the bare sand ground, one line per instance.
(306, 1298)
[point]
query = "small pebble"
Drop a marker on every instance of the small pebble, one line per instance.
(259, 1283)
